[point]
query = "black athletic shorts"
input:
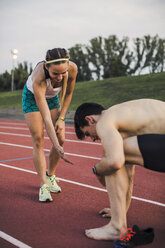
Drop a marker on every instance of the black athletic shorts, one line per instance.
(152, 147)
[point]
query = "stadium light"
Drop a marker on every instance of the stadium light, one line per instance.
(14, 53)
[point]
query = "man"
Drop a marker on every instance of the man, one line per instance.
(116, 128)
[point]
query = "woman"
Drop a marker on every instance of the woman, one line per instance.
(41, 106)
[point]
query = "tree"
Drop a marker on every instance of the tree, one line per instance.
(117, 57)
(149, 53)
(21, 73)
(157, 61)
(5, 81)
(96, 55)
(79, 56)
(109, 56)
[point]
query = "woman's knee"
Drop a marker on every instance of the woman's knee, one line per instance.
(38, 141)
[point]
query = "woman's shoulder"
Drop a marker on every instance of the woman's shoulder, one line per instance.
(72, 66)
(39, 66)
(38, 71)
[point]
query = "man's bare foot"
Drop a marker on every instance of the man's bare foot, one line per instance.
(103, 233)
(105, 212)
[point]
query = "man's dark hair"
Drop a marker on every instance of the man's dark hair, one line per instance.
(82, 111)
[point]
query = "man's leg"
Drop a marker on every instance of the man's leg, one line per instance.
(106, 212)
(132, 152)
(132, 156)
(130, 173)
(117, 186)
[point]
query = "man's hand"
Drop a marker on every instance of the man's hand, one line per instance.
(105, 213)
(99, 177)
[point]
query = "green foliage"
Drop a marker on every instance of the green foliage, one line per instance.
(5, 81)
(78, 55)
(111, 57)
(149, 52)
(21, 73)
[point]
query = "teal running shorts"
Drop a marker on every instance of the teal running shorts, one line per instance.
(29, 103)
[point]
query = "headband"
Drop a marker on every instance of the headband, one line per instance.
(57, 60)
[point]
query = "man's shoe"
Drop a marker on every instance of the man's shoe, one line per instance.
(51, 181)
(132, 237)
(44, 194)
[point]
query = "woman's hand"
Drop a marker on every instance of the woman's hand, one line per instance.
(62, 154)
(60, 130)
(60, 151)
(60, 127)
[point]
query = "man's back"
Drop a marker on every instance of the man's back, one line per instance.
(135, 117)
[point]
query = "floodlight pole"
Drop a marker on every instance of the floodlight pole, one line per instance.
(14, 53)
(12, 76)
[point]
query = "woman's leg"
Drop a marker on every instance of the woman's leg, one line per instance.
(54, 156)
(35, 124)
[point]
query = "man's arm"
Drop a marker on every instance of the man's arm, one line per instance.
(114, 158)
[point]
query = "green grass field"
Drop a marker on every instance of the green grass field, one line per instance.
(106, 92)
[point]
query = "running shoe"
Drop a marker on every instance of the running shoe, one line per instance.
(44, 194)
(52, 182)
(132, 237)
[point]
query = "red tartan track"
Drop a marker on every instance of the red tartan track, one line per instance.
(61, 224)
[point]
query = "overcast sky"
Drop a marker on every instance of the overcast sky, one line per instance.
(34, 26)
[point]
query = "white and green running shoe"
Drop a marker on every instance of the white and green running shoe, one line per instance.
(44, 194)
(52, 182)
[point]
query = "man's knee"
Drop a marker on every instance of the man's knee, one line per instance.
(113, 164)
(117, 163)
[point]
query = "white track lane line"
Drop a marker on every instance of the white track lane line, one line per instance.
(48, 150)
(84, 185)
(13, 241)
(22, 128)
(24, 124)
(68, 140)
(13, 123)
